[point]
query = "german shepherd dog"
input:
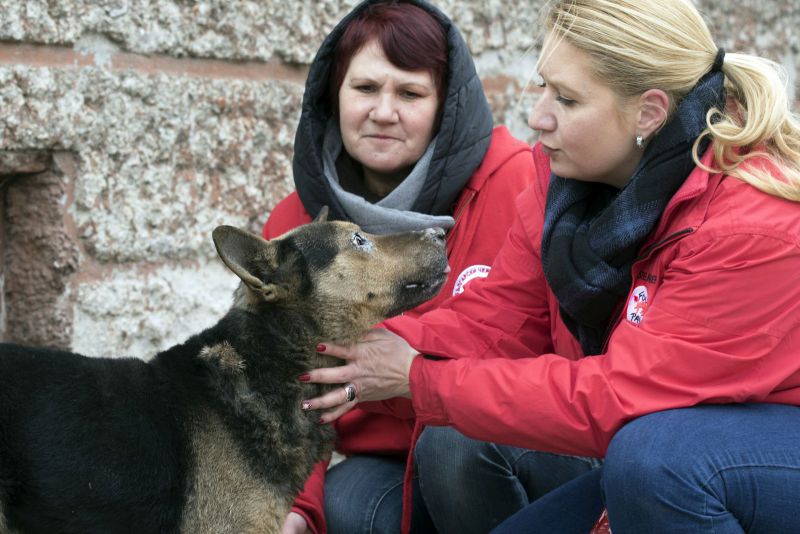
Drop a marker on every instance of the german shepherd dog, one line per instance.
(208, 436)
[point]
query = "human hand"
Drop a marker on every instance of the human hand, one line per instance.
(377, 367)
(295, 524)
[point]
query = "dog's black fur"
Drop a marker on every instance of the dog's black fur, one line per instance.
(208, 436)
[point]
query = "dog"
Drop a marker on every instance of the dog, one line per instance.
(207, 436)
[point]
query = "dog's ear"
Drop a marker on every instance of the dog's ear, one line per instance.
(254, 260)
(322, 216)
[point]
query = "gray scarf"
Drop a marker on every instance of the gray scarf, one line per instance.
(392, 213)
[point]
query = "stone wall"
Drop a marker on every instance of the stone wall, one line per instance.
(130, 129)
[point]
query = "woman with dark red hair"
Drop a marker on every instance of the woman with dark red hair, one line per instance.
(396, 134)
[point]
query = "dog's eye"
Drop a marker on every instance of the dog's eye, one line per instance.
(360, 241)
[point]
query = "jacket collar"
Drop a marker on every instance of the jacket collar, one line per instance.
(689, 206)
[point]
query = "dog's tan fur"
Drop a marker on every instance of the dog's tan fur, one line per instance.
(225, 357)
(226, 496)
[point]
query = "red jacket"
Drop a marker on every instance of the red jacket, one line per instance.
(712, 316)
(483, 214)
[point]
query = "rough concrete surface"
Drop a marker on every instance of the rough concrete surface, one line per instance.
(145, 159)
(132, 313)
(40, 257)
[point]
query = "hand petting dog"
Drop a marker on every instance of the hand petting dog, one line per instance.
(377, 367)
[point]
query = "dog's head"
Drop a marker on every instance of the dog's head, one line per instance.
(346, 279)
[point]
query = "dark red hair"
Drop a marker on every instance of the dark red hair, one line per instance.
(411, 38)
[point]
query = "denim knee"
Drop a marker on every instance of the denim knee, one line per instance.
(443, 453)
(704, 468)
(364, 494)
(633, 462)
(467, 485)
(660, 458)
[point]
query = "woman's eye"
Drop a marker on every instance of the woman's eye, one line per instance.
(365, 88)
(410, 95)
(560, 99)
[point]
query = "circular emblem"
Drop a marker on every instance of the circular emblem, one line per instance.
(470, 273)
(637, 305)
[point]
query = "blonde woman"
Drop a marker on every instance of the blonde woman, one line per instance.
(645, 306)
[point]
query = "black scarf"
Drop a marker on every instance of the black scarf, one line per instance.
(592, 232)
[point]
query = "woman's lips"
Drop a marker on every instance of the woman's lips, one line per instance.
(548, 151)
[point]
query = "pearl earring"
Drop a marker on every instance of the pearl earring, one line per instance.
(639, 141)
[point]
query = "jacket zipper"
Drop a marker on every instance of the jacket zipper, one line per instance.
(463, 206)
(646, 253)
(672, 237)
(460, 209)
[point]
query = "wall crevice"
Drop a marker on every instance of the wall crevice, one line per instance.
(37, 256)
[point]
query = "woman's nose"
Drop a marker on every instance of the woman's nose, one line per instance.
(540, 118)
(385, 109)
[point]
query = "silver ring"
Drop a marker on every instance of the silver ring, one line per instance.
(350, 392)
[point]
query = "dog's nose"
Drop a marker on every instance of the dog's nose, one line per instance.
(434, 234)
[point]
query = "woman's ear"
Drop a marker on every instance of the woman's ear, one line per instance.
(653, 110)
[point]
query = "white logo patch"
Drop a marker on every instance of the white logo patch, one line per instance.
(637, 305)
(470, 273)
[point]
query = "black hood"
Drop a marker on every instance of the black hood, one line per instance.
(462, 140)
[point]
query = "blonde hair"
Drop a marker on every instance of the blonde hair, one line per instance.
(636, 45)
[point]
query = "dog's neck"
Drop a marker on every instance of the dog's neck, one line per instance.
(273, 341)
(250, 364)
(327, 322)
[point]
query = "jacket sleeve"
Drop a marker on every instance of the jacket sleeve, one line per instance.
(310, 503)
(707, 337)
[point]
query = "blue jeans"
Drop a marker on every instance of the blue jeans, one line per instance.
(471, 486)
(364, 494)
(722, 469)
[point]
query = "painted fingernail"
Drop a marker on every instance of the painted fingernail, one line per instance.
(306, 405)
(321, 348)
(304, 378)
(321, 421)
